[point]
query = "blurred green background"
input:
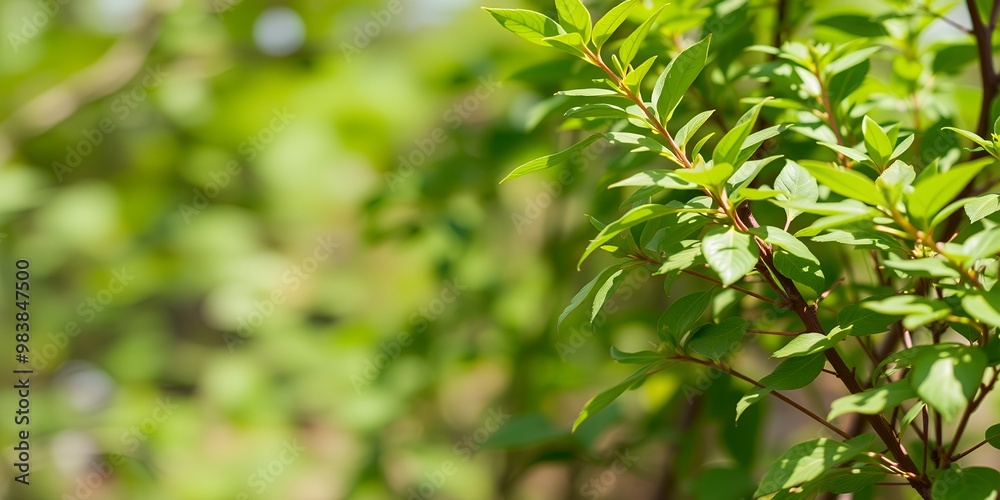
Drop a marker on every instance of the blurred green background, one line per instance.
(270, 258)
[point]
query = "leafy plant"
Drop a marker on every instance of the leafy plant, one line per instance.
(913, 341)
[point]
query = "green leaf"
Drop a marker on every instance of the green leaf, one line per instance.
(796, 261)
(745, 175)
(574, 17)
(807, 344)
(807, 461)
(847, 183)
(854, 24)
(675, 80)
(993, 436)
(714, 340)
(984, 306)
(872, 401)
(982, 244)
(685, 133)
(681, 316)
(681, 256)
(854, 480)
(635, 358)
(979, 483)
(630, 47)
(931, 194)
(585, 292)
(662, 178)
(602, 400)
(713, 177)
(606, 291)
(851, 153)
(862, 321)
(532, 26)
(876, 142)
(635, 216)
(987, 145)
(947, 379)
(928, 267)
(730, 253)
(633, 80)
(916, 311)
(589, 93)
(597, 110)
(982, 206)
(729, 147)
(896, 181)
(798, 186)
(791, 374)
(607, 25)
(550, 160)
(568, 42)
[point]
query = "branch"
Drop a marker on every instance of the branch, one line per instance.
(776, 394)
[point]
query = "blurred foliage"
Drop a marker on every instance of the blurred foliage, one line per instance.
(269, 257)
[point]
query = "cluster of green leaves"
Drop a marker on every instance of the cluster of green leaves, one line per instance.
(853, 191)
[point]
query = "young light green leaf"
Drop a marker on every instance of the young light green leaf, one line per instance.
(666, 179)
(677, 77)
(635, 358)
(916, 311)
(847, 183)
(807, 344)
(985, 144)
(714, 340)
(744, 175)
(633, 80)
(873, 401)
(982, 244)
(630, 47)
(851, 153)
(589, 93)
(983, 305)
(606, 26)
(927, 267)
(602, 400)
(575, 17)
(876, 142)
(585, 293)
(682, 314)
(947, 379)
(606, 291)
(713, 177)
(532, 26)
(685, 133)
(982, 207)
(931, 194)
(597, 110)
(729, 147)
(568, 42)
(791, 374)
(797, 185)
(730, 253)
(807, 461)
(635, 216)
(550, 160)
